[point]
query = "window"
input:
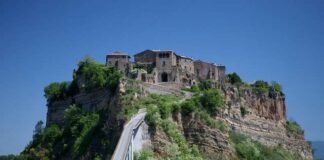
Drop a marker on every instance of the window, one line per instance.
(163, 63)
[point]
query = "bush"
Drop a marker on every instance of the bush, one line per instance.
(293, 128)
(188, 106)
(145, 154)
(87, 123)
(212, 100)
(195, 88)
(51, 134)
(205, 85)
(246, 148)
(234, 78)
(56, 91)
(210, 122)
(261, 86)
(153, 116)
(97, 75)
(276, 86)
(183, 149)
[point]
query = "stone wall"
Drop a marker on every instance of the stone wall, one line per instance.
(147, 56)
(205, 70)
(186, 64)
(119, 61)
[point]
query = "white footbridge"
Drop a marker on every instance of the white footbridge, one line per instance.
(127, 141)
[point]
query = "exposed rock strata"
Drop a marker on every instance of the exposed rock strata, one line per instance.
(265, 119)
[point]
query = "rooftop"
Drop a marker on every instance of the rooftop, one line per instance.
(118, 53)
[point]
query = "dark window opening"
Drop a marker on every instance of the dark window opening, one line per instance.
(116, 64)
(164, 77)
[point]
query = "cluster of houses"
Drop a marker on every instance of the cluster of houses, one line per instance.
(166, 67)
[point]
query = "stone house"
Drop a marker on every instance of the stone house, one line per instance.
(204, 71)
(119, 60)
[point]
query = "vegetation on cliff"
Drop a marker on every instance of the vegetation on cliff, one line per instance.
(54, 141)
(294, 129)
(249, 149)
(82, 135)
(89, 76)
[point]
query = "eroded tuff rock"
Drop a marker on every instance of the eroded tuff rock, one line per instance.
(265, 119)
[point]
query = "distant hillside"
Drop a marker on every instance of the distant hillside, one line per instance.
(319, 149)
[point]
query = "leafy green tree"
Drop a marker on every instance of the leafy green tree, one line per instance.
(212, 100)
(56, 91)
(276, 86)
(234, 78)
(205, 85)
(293, 128)
(38, 130)
(261, 86)
(188, 106)
(97, 75)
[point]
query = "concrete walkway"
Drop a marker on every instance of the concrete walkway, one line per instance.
(124, 148)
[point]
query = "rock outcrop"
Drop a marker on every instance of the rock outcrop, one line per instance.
(264, 120)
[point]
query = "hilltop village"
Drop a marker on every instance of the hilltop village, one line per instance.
(166, 67)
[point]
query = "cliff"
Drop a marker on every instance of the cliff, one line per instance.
(85, 119)
(264, 121)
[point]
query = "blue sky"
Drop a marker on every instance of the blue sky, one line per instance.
(42, 41)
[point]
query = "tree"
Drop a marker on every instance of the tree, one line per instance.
(56, 91)
(204, 85)
(276, 86)
(261, 86)
(212, 100)
(38, 129)
(234, 78)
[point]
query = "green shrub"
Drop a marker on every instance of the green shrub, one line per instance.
(56, 91)
(234, 78)
(195, 88)
(277, 87)
(51, 134)
(185, 151)
(211, 122)
(97, 75)
(212, 100)
(188, 106)
(145, 154)
(261, 86)
(153, 116)
(293, 128)
(249, 149)
(87, 123)
(205, 85)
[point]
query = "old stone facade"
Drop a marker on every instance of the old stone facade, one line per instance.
(119, 60)
(166, 67)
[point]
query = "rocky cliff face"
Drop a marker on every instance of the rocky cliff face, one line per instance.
(264, 120)
(260, 116)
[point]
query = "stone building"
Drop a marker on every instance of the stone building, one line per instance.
(119, 60)
(204, 71)
(167, 67)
